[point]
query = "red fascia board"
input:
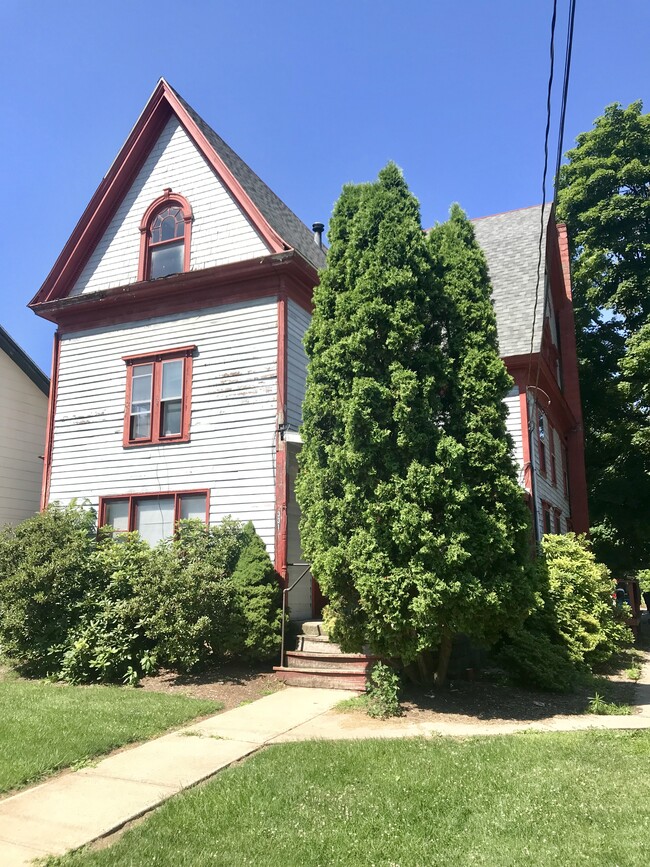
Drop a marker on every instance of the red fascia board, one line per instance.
(194, 290)
(110, 192)
(275, 243)
(114, 186)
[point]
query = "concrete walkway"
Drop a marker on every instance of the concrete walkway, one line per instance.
(78, 807)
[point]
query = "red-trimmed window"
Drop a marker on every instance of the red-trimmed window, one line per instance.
(542, 436)
(557, 518)
(158, 397)
(154, 516)
(547, 517)
(551, 449)
(165, 234)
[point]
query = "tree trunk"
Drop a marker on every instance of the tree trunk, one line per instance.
(444, 654)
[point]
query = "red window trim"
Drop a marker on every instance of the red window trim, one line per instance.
(165, 201)
(557, 521)
(157, 359)
(547, 510)
(132, 498)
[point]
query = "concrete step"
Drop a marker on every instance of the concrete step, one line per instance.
(317, 644)
(322, 678)
(330, 661)
(313, 628)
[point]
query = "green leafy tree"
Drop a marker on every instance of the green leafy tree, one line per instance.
(605, 200)
(387, 510)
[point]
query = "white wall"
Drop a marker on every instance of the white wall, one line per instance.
(513, 424)
(220, 231)
(233, 422)
(544, 489)
(23, 420)
(297, 323)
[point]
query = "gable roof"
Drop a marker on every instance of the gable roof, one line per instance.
(510, 242)
(276, 224)
(24, 362)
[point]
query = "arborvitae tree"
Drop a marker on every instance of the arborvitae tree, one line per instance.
(379, 486)
(605, 200)
(490, 587)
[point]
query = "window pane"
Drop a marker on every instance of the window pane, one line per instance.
(193, 506)
(140, 427)
(141, 383)
(172, 379)
(154, 518)
(170, 421)
(117, 514)
(167, 259)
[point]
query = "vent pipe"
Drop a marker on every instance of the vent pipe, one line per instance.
(318, 229)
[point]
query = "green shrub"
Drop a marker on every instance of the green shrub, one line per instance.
(90, 608)
(383, 692)
(574, 627)
(46, 577)
(644, 580)
(260, 593)
(579, 593)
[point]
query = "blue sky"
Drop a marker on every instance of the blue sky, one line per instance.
(311, 95)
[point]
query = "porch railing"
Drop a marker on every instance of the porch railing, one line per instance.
(285, 594)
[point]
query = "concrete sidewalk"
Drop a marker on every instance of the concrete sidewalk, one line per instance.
(78, 807)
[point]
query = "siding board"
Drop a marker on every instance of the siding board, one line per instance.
(220, 231)
(234, 405)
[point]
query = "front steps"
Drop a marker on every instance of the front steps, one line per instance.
(319, 662)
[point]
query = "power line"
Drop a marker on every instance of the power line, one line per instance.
(565, 93)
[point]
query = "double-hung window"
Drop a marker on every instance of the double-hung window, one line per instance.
(158, 397)
(154, 516)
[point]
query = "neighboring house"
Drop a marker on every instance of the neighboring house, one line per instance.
(23, 396)
(181, 300)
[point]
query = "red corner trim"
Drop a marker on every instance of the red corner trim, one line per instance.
(114, 186)
(168, 198)
(49, 431)
(281, 485)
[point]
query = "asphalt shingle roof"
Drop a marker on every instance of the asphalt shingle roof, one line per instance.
(510, 242)
(281, 218)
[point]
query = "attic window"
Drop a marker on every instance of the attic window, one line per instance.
(165, 237)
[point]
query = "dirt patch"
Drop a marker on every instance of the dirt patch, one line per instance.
(486, 701)
(232, 684)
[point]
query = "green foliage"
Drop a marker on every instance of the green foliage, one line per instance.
(383, 692)
(597, 705)
(575, 625)
(605, 203)
(260, 591)
(45, 577)
(643, 578)
(89, 609)
(412, 517)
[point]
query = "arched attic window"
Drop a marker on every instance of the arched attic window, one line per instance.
(165, 233)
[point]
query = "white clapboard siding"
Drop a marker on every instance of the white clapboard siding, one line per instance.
(220, 231)
(544, 489)
(513, 424)
(233, 422)
(297, 323)
(23, 421)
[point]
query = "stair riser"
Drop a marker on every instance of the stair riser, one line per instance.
(323, 680)
(314, 644)
(363, 666)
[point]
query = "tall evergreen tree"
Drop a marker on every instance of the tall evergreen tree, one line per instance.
(490, 588)
(387, 521)
(605, 200)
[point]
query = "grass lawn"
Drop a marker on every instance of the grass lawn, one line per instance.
(45, 727)
(531, 799)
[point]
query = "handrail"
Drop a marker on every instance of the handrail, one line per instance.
(285, 594)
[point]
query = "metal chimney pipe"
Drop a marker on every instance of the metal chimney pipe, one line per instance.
(318, 229)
